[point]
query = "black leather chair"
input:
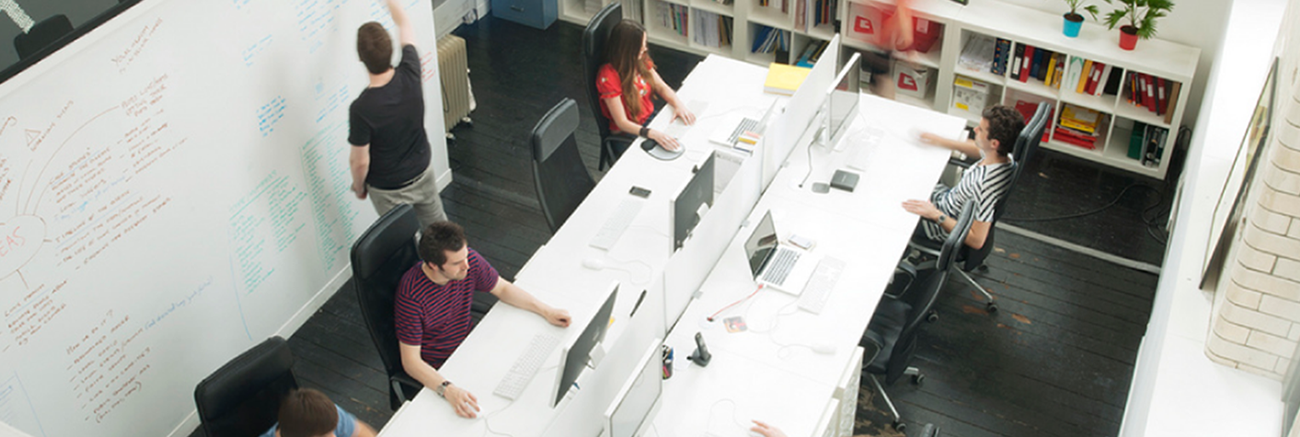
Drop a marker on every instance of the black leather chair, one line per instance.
(891, 336)
(612, 145)
(379, 259)
(559, 176)
(968, 260)
(42, 34)
(242, 398)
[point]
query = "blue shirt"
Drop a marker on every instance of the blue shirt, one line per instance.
(347, 425)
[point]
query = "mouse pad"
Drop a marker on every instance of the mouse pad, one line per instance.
(652, 148)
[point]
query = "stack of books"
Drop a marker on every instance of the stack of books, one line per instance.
(811, 53)
(1156, 94)
(1078, 126)
(712, 30)
(674, 17)
(1093, 78)
(784, 79)
(768, 40)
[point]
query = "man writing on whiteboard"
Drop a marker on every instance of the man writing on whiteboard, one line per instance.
(431, 310)
(390, 149)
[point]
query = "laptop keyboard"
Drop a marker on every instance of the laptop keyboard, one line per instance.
(780, 266)
(745, 125)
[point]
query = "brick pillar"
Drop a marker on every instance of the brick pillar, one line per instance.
(1256, 321)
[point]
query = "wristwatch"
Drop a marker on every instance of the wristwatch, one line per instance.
(942, 217)
(645, 132)
(442, 388)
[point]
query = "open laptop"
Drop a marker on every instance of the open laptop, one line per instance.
(774, 265)
(734, 125)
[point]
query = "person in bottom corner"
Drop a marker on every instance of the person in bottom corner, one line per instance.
(306, 412)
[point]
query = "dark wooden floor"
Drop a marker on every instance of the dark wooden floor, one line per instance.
(1055, 361)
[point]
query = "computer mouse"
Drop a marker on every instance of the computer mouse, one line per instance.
(657, 151)
(822, 348)
(594, 263)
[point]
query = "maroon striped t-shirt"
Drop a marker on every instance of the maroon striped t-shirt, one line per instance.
(436, 317)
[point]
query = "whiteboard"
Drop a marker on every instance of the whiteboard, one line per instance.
(174, 189)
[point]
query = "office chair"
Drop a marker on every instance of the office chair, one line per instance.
(594, 36)
(559, 176)
(895, 324)
(970, 260)
(41, 35)
(242, 398)
(379, 259)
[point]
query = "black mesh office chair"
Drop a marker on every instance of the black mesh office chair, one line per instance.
(559, 176)
(42, 34)
(894, 326)
(594, 36)
(242, 398)
(379, 258)
(968, 260)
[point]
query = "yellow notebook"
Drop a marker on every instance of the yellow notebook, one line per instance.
(784, 79)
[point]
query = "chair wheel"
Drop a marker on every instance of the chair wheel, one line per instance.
(982, 268)
(932, 317)
(900, 426)
(929, 430)
(992, 307)
(918, 379)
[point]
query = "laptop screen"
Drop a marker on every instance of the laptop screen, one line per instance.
(762, 242)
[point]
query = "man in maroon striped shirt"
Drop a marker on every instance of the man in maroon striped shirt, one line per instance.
(432, 307)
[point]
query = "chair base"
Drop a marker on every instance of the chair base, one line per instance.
(919, 250)
(917, 378)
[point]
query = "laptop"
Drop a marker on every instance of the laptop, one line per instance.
(775, 265)
(734, 125)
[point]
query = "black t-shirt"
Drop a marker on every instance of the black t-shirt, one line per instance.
(390, 119)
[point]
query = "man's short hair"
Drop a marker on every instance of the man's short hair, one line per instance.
(375, 47)
(439, 238)
(307, 413)
(1005, 125)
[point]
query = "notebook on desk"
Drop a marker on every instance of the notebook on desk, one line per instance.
(774, 265)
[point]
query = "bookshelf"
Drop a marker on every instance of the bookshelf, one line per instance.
(952, 27)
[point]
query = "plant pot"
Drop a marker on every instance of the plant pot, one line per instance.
(1128, 37)
(1073, 22)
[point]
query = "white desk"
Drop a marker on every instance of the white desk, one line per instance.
(866, 228)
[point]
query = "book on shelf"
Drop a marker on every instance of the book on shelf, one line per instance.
(1154, 138)
(1001, 53)
(1174, 88)
(1136, 140)
(1074, 137)
(811, 53)
(784, 79)
(1080, 118)
(1035, 67)
(1017, 57)
(1162, 100)
(1093, 78)
(1073, 71)
(1025, 65)
(1084, 73)
(1151, 93)
(1051, 71)
(1102, 78)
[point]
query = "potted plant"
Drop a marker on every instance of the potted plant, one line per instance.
(1139, 17)
(1074, 20)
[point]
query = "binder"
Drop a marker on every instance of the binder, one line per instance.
(1112, 82)
(1162, 99)
(1093, 78)
(1083, 77)
(1001, 52)
(1151, 93)
(1100, 85)
(1024, 64)
(1018, 59)
(1035, 68)
(1135, 140)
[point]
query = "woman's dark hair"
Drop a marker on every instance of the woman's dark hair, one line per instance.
(622, 51)
(375, 47)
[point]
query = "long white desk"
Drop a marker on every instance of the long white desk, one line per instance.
(771, 372)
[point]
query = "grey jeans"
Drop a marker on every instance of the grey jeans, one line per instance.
(421, 193)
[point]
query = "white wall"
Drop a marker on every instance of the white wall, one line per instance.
(1197, 23)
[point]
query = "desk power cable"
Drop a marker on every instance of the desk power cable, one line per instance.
(715, 314)
(487, 424)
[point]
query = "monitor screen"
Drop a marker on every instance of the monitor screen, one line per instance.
(577, 355)
(686, 207)
(842, 98)
(634, 402)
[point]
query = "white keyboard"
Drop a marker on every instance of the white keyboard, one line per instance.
(818, 289)
(521, 373)
(616, 223)
(677, 129)
(860, 157)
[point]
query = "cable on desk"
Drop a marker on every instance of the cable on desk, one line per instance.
(649, 270)
(734, 407)
(756, 290)
(810, 166)
(488, 417)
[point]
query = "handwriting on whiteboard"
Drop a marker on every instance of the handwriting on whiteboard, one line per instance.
(128, 55)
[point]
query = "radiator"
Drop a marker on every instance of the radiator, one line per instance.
(457, 96)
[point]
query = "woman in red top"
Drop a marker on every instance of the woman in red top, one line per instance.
(625, 82)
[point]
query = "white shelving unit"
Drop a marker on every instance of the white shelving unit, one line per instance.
(991, 18)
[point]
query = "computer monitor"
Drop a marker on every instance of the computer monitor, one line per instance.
(575, 356)
(627, 414)
(841, 101)
(692, 202)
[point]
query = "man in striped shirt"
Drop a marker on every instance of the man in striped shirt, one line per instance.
(432, 307)
(985, 183)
